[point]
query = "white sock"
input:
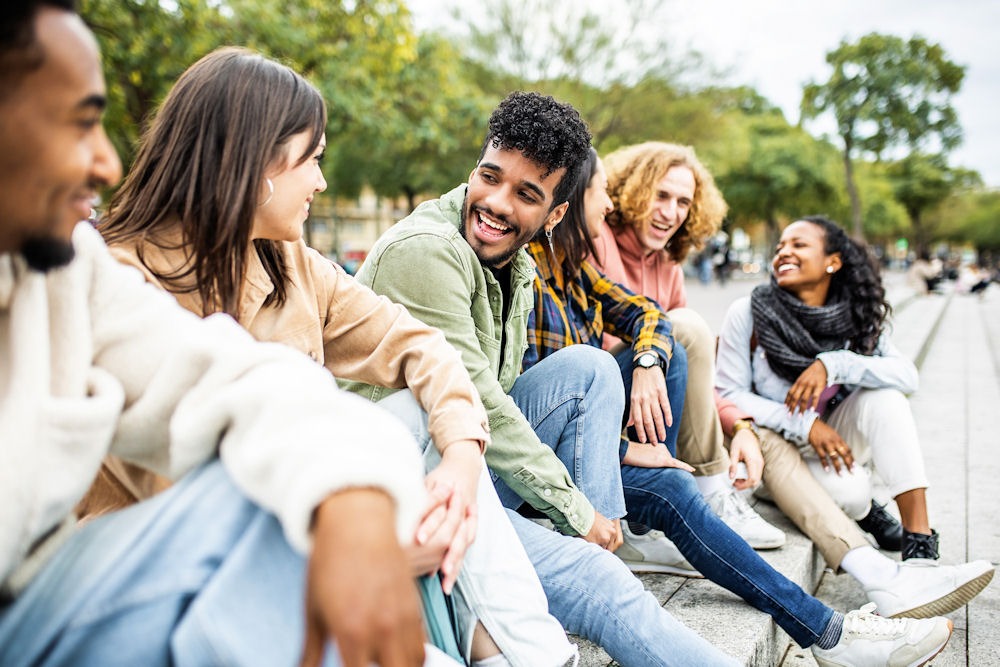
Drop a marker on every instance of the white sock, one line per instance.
(709, 484)
(497, 660)
(868, 566)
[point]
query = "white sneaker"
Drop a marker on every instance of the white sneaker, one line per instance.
(653, 552)
(870, 640)
(735, 511)
(923, 588)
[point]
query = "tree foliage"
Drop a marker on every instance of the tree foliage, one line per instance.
(145, 47)
(921, 181)
(886, 92)
(427, 139)
(777, 172)
(407, 112)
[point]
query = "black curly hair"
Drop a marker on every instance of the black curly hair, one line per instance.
(20, 52)
(549, 133)
(858, 282)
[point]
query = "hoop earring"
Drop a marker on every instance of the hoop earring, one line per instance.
(548, 237)
(270, 194)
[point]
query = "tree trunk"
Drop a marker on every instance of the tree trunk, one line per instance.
(857, 231)
(773, 233)
(919, 233)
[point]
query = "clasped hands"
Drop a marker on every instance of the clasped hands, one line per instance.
(804, 395)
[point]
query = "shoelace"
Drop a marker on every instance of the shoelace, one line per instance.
(879, 518)
(865, 621)
(739, 503)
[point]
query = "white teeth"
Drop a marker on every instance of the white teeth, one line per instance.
(786, 267)
(493, 225)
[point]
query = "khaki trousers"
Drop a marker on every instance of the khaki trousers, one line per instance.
(800, 496)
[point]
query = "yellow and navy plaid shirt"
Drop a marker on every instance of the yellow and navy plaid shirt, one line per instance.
(581, 311)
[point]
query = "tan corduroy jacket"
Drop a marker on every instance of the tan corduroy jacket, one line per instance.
(339, 323)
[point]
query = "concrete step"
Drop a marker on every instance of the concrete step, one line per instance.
(724, 619)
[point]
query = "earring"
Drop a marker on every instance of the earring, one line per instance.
(548, 237)
(270, 187)
(829, 269)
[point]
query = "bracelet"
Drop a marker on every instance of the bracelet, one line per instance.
(741, 424)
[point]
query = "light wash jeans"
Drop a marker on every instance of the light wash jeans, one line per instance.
(573, 400)
(197, 575)
(497, 584)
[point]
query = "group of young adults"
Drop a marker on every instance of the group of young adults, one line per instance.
(175, 383)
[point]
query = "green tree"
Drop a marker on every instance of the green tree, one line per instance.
(920, 182)
(777, 172)
(612, 67)
(885, 92)
(971, 215)
(428, 139)
(145, 46)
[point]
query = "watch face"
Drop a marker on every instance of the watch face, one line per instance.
(647, 360)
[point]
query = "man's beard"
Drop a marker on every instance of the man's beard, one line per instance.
(46, 253)
(490, 262)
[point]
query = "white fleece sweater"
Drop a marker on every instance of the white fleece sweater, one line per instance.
(93, 360)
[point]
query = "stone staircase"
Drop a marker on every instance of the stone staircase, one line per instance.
(724, 619)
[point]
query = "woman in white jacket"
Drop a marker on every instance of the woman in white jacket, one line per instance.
(808, 356)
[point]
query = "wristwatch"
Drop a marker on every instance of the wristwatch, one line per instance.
(741, 424)
(648, 360)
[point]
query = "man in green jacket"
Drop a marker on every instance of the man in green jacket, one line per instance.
(457, 263)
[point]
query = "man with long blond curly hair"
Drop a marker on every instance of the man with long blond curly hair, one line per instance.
(665, 202)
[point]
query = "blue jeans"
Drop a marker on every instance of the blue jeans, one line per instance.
(573, 400)
(497, 584)
(668, 499)
(677, 377)
(595, 596)
(198, 575)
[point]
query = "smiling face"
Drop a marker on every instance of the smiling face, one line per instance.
(509, 200)
(596, 202)
(801, 265)
(54, 153)
(668, 209)
(286, 209)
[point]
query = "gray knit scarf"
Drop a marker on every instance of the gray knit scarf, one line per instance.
(792, 333)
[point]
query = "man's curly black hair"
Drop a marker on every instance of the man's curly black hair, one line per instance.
(549, 133)
(20, 52)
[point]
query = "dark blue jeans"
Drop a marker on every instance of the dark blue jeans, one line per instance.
(677, 378)
(669, 500)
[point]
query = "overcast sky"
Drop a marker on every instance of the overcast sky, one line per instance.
(776, 46)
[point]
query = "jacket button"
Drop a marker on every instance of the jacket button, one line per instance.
(547, 492)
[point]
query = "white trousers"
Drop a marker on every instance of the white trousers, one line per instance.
(879, 427)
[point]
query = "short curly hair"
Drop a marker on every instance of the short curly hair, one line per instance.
(633, 173)
(549, 133)
(20, 52)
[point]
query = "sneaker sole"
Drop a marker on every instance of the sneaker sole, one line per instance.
(934, 653)
(639, 567)
(764, 546)
(952, 601)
